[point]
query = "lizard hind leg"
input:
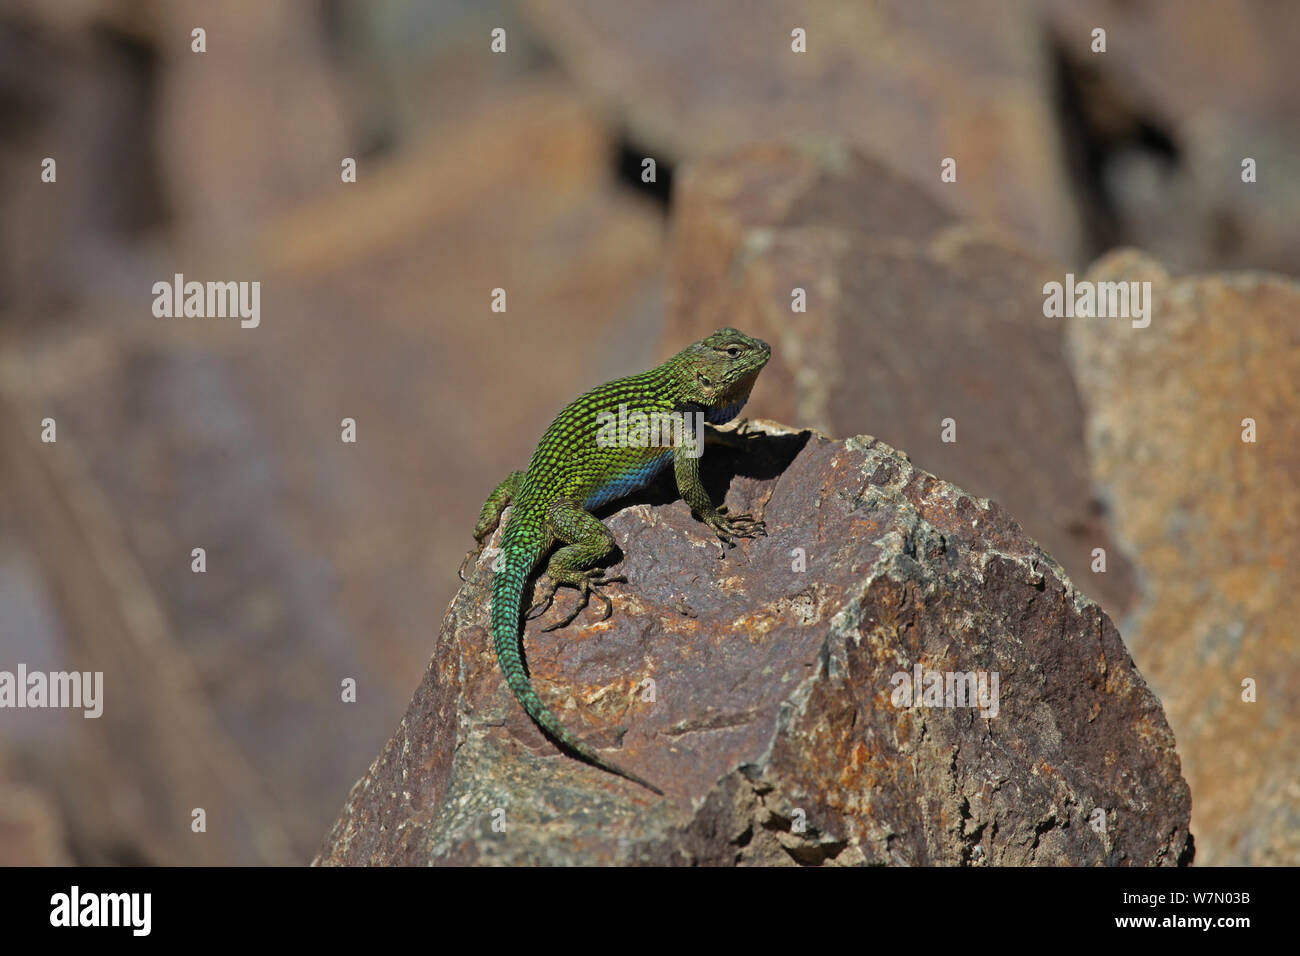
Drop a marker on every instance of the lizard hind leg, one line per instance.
(587, 542)
(490, 516)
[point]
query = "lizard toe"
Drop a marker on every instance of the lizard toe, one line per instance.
(572, 616)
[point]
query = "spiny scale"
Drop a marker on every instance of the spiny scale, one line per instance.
(572, 471)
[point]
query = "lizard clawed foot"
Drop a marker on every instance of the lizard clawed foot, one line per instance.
(538, 609)
(728, 527)
(470, 557)
(588, 582)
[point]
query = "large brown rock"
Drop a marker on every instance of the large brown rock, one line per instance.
(912, 318)
(264, 79)
(1212, 523)
(771, 723)
(74, 88)
(1182, 95)
(912, 83)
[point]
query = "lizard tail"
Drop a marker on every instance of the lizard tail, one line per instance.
(507, 599)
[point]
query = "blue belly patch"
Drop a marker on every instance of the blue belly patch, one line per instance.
(632, 481)
(642, 475)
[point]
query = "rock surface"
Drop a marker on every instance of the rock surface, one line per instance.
(1212, 522)
(771, 721)
(912, 317)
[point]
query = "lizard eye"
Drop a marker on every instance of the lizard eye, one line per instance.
(734, 351)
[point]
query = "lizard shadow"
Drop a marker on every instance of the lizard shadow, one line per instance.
(756, 455)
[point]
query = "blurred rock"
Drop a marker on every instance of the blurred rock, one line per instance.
(912, 83)
(1184, 93)
(772, 701)
(128, 782)
(326, 561)
(252, 125)
(30, 834)
(76, 87)
(912, 318)
(1211, 523)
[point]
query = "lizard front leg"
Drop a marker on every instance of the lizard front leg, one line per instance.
(587, 542)
(728, 527)
(490, 516)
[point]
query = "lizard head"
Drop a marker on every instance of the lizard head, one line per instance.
(720, 370)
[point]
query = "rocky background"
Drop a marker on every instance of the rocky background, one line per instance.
(522, 171)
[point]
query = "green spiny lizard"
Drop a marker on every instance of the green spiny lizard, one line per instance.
(584, 461)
